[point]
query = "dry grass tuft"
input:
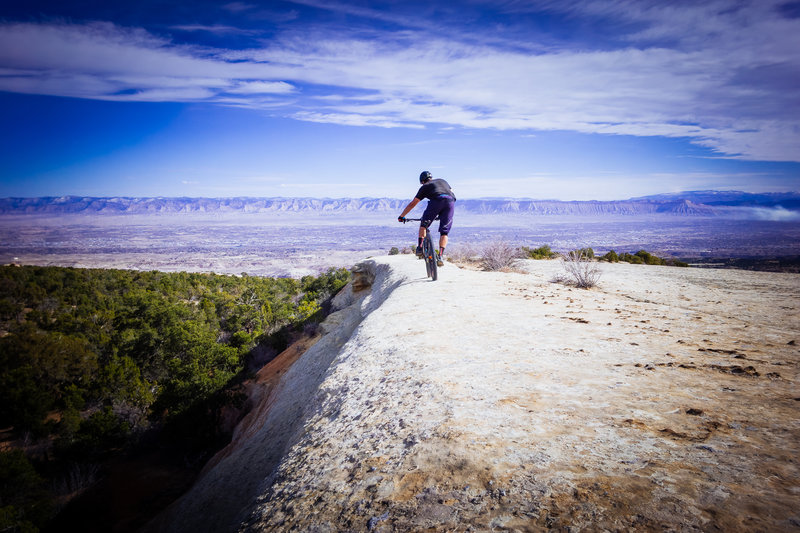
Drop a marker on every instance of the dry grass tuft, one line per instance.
(492, 257)
(464, 255)
(499, 256)
(580, 270)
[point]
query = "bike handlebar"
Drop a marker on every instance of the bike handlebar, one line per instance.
(416, 219)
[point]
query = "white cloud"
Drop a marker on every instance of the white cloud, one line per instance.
(179, 94)
(724, 74)
(262, 87)
(354, 119)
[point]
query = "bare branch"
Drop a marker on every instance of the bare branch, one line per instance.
(582, 271)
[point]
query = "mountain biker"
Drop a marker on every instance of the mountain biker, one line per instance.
(441, 203)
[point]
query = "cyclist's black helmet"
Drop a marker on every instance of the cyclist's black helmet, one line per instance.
(425, 176)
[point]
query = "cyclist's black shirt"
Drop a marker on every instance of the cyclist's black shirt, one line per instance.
(434, 189)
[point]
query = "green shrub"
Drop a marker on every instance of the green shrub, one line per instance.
(610, 256)
(25, 504)
(649, 259)
(240, 339)
(102, 431)
(307, 309)
(675, 263)
(543, 252)
(325, 285)
(642, 257)
(394, 251)
(632, 259)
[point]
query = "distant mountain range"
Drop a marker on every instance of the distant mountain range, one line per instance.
(692, 203)
(786, 200)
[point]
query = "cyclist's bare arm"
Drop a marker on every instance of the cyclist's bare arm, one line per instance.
(411, 205)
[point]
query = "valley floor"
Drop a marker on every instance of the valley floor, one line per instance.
(297, 244)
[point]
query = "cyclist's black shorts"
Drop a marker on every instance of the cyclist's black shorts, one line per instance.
(444, 206)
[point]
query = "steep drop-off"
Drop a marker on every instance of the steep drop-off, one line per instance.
(224, 493)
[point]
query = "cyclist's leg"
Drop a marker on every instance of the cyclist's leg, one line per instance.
(420, 238)
(440, 251)
(428, 216)
(445, 223)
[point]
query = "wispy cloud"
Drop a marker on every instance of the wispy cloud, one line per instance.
(724, 74)
(104, 61)
(262, 87)
(355, 119)
(778, 214)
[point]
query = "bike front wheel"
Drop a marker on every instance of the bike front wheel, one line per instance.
(429, 253)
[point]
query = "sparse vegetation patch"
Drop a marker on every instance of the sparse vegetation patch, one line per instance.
(642, 257)
(464, 254)
(500, 256)
(542, 252)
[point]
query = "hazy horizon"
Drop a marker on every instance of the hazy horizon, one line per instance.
(506, 198)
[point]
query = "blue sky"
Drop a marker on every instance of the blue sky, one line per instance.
(566, 99)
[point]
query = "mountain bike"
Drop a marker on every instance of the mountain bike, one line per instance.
(428, 251)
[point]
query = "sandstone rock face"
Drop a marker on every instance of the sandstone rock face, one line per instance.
(223, 496)
(663, 399)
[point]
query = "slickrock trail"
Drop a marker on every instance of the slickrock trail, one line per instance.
(663, 399)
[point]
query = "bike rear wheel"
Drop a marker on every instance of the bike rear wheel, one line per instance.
(429, 253)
